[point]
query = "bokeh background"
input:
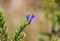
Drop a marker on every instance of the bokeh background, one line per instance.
(15, 11)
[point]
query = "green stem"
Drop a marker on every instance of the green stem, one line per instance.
(3, 24)
(19, 30)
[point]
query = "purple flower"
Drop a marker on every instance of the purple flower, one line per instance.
(30, 18)
(27, 16)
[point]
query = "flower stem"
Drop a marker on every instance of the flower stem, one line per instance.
(3, 25)
(19, 30)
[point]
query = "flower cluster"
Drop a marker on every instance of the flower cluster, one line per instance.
(30, 18)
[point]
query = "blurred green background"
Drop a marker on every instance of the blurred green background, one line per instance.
(15, 11)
